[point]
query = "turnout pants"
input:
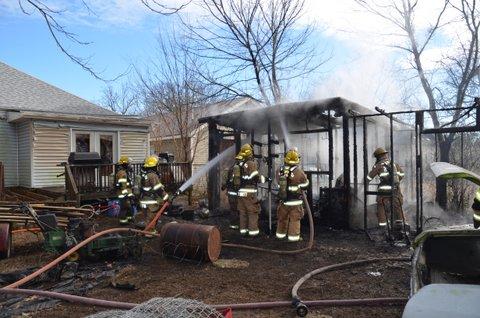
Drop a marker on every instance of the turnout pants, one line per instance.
(232, 202)
(288, 221)
(384, 207)
(126, 208)
(248, 210)
(147, 213)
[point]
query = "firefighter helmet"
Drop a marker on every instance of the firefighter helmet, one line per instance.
(150, 162)
(124, 160)
(292, 157)
(246, 151)
(379, 151)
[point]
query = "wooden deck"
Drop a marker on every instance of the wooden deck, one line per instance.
(85, 182)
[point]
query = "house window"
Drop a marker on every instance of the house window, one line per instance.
(82, 142)
(105, 143)
(106, 148)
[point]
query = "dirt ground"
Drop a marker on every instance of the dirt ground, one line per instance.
(268, 277)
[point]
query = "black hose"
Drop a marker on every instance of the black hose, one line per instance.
(242, 306)
(301, 306)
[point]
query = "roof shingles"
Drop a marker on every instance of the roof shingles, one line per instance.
(22, 92)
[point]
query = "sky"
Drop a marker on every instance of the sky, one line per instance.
(123, 33)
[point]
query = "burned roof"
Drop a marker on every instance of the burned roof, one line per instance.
(218, 108)
(295, 114)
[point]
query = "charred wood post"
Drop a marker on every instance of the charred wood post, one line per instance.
(238, 140)
(346, 166)
(392, 181)
(355, 158)
(419, 128)
(365, 172)
(330, 157)
(214, 142)
(270, 175)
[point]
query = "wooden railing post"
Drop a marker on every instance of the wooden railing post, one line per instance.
(71, 188)
(84, 180)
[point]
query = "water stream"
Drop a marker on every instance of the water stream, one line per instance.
(205, 168)
(286, 135)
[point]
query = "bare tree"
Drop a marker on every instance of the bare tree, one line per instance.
(175, 98)
(465, 154)
(451, 83)
(125, 100)
(62, 37)
(255, 47)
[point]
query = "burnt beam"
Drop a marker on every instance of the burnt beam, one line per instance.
(346, 166)
(214, 141)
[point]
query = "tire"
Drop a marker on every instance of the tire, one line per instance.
(5, 240)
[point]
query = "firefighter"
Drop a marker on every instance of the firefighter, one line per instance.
(152, 191)
(232, 188)
(124, 185)
(292, 181)
(245, 179)
(382, 169)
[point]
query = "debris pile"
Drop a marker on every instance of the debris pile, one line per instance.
(32, 195)
(21, 213)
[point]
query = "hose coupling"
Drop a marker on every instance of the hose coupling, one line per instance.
(300, 307)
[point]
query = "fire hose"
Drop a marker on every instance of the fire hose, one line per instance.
(56, 261)
(157, 216)
(393, 301)
(306, 248)
(301, 306)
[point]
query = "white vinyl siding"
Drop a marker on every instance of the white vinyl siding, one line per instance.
(134, 145)
(8, 152)
(24, 133)
(199, 146)
(51, 146)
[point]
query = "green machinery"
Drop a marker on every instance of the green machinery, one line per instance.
(110, 246)
(58, 240)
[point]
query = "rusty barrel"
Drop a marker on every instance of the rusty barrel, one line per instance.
(187, 241)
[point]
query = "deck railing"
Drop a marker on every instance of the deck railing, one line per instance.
(89, 179)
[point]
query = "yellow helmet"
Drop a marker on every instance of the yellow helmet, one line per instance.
(378, 152)
(150, 161)
(292, 157)
(246, 151)
(124, 160)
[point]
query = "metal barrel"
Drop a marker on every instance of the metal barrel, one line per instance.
(188, 241)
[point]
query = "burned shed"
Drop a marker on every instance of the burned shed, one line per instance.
(328, 138)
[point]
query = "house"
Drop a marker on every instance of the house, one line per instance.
(41, 124)
(166, 135)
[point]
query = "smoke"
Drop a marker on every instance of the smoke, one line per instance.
(205, 168)
(368, 79)
(434, 216)
(286, 135)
